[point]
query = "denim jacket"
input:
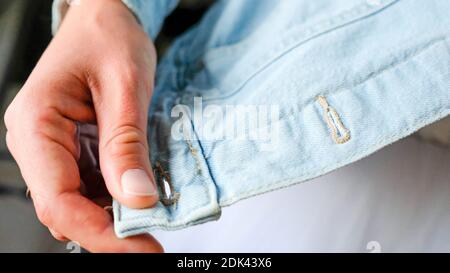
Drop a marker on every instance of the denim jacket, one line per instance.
(340, 79)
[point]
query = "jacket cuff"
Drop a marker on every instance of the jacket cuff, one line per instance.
(59, 10)
(150, 14)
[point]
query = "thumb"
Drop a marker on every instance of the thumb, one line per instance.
(121, 107)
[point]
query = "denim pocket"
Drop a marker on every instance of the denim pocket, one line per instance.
(230, 67)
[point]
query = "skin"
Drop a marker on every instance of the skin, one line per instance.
(97, 70)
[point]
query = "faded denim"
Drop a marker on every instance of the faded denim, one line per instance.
(349, 76)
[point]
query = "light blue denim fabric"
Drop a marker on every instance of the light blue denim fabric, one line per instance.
(349, 77)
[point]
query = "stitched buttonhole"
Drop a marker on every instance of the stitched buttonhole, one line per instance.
(339, 133)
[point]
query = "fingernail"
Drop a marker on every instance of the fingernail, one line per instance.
(137, 182)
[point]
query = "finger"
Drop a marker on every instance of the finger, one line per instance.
(58, 236)
(61, 207)
(121, 111)
(92, 226)
(49, 167)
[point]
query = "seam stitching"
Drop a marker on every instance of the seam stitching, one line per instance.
(260, 66)
(440, 111)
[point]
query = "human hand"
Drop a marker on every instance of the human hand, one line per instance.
(98, 70)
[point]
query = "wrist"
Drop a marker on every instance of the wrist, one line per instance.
(93, 12)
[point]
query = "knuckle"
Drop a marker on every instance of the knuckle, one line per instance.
(17, 109)
(127, 140)
(28, 112)
(43, 117)
(9, 141)
(9, 116)
(43, 212)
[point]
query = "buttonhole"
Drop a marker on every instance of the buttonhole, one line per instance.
(339, 133)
